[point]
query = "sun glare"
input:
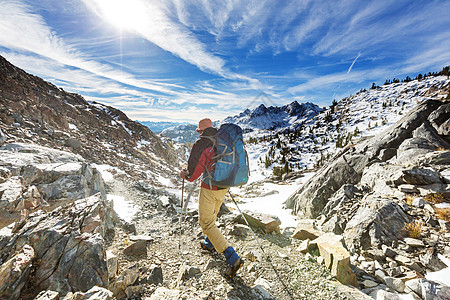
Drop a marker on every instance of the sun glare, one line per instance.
(124, 13)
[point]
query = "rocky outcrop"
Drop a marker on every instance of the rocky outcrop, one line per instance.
(409, 138)
(34, 177)
(35, 111)
(382, 192)
(68, 246)
(377, 221)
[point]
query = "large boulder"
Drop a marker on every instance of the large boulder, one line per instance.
(33, 177)
(377, 221)
(336, 257)
(440, 120)
(428, 289)
(306, 230)
(313, 196)
(68, 244)
(424, 139)
(339, 207)
(259, 222)
(125, 279)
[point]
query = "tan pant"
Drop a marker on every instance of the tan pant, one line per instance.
(208, 207)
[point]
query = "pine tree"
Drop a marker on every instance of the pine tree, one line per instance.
(445, 71)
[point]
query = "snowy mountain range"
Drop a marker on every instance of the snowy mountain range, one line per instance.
(259, 118)
(157, 127)
(298, 137)
(184, 133)
(274, 117)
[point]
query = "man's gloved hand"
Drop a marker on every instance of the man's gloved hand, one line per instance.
(183, 174)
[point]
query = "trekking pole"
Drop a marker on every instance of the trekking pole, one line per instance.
(264, 253)
(181, 213)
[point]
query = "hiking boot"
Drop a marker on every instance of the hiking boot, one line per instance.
(233, 260)
(207, 245)
(232, 270)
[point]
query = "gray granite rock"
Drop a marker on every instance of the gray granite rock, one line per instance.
(55, 235)
(377, 222)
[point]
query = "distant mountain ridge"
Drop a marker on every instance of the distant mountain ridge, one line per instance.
(261, 117)
(157, 127)
(182, 133)
(274, 117)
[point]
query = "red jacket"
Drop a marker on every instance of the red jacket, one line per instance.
(201, 157)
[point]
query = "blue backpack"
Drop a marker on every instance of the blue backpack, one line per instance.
(231, 161)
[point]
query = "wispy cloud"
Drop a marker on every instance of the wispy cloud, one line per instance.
(185, 58)
(156, 25)
(77, 81)
(435, 55)
(146, 112)
(23, 30)
(372, 25)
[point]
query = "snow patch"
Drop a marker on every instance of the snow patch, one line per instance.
(73, 127)
(271, 204)
(105, 170)
(165, 181)
(125, 209)
(442, 276)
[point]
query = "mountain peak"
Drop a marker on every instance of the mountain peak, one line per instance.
(260, 110)
(274, 117)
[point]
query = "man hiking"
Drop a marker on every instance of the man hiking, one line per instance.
(201, 161)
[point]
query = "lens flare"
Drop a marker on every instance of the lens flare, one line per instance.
(129, 14)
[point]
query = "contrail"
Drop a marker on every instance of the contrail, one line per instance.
(349, 69)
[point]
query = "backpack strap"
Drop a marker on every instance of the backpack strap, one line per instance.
(214, 141)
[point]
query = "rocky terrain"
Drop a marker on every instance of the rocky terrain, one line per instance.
(74, 245)
(35, 111)
(389, 198)
(375, 217)
(60, 236)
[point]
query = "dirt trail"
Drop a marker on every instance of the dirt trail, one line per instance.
(170, 250)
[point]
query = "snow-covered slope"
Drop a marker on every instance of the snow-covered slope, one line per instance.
(308, 143)
(274, 117)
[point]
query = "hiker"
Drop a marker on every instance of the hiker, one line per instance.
(201, 161)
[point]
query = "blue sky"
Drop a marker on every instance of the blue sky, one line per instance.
(177, 60)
